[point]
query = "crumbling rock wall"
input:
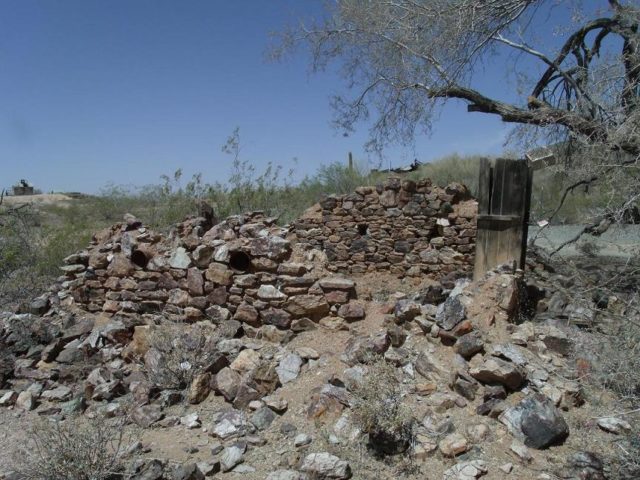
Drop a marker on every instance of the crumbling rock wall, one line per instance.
(405, 227)
(240, 268)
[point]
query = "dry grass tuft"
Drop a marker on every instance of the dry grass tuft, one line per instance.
(179, 353)
(74, 449)
(379, 410)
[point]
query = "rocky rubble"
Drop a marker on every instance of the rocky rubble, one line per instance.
(497, 364)
(226, 334)
(470, 366)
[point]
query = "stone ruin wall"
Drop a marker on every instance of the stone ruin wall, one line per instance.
(401, 226)
(241, 268)
(245, 267)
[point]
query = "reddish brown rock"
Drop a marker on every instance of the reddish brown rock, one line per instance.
(248, 314)
(352, 311)
(311, 306)
(219, 274)
(337, 297)
(120, 266)
(195, 282)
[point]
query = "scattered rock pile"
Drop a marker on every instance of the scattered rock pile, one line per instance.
(231, 334)
(470, 369)
(401, 226)
(470, 358)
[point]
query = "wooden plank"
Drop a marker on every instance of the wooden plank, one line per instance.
(484, 185)
(504, 203)
(527, 217)
(513, 188)
(497, 200)
(498, 222)
(480, 265)
(483, 236)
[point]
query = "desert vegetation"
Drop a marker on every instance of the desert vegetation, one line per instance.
(35, 239)
(78, 449)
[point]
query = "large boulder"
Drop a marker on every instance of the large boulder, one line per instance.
(536, 422)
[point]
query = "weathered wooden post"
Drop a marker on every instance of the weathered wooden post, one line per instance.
(504, 200)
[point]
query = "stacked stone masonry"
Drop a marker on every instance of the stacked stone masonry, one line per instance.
(239, 268)
(406, 227)
(242, 267)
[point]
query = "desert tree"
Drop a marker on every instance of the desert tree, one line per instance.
(403, 59)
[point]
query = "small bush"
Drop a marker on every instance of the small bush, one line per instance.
(74, 449)
(379, 411)
(613, 359)
(588, 247)
(628, 459)
(17, 246)
(178, 352)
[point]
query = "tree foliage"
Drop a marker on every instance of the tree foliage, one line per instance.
(402, 59)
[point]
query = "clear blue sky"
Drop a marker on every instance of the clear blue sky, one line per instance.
(121, 91)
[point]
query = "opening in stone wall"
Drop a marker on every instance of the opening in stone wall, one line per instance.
(239, 261)
(139, 258)
(363, 229)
